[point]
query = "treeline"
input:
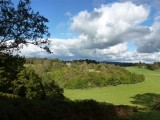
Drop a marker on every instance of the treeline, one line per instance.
(82, 74)
(153, 66)
(124, 64)
(28, 90)
(37, 78)
(149, 66)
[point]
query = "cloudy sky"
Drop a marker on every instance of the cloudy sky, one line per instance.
(110, 30)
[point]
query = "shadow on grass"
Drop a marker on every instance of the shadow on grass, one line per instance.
(147, 115)
(144, 99)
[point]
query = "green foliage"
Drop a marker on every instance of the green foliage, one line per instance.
(78, 75)
(154, 66)
(29, 85)
(151, 67)
(24, 82)
(155, 104)
(19, 108)
(8, 95)
(76, 84)
(10, 66)
(53, 91)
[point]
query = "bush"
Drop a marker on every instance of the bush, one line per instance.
(155, 105)
(26, 109)
(10, 66)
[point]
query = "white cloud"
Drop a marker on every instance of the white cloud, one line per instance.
(111, 24)
(69, 50)
(103, 34)
(152, 3)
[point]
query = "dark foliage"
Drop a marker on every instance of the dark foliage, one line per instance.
(21, 25)
(154, 66)
(10, 66)
(29, 85)
(124, 64)
(148, 100)
(155, 104)
(24, 82)
(84, 60)
(24, 109)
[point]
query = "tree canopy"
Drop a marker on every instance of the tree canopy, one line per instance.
(10, 66)
(20, 25)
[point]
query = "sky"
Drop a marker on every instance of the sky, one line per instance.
(103, 30)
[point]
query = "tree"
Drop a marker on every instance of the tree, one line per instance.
(31, 86)
(21, 26)
(10, 66)
(53, 91)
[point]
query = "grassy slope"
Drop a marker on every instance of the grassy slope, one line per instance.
(140, 94)
(122, 94)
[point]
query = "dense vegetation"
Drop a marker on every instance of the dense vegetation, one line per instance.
(149, 66)
(10, 66)
(153, 66)
(80, 74)
(23, 81)
(24, 94)
(14, 108)
(27, 95)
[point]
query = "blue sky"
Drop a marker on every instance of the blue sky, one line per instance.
(59, 12)
(114, 30)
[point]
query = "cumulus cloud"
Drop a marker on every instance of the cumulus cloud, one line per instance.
(104, 33)
(152, 3)
(111, 24)
(151, 42)
(69, 50)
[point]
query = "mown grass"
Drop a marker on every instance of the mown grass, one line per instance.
(121, 94)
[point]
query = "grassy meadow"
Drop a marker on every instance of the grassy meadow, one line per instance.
(140, 94)
(133, 94)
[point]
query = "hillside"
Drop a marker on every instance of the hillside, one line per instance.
(121, 94)
(82, 74)
(142, 94)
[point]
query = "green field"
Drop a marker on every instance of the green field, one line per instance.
(140, 94)
(133, 94)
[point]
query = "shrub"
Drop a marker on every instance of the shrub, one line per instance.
(155, 104)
